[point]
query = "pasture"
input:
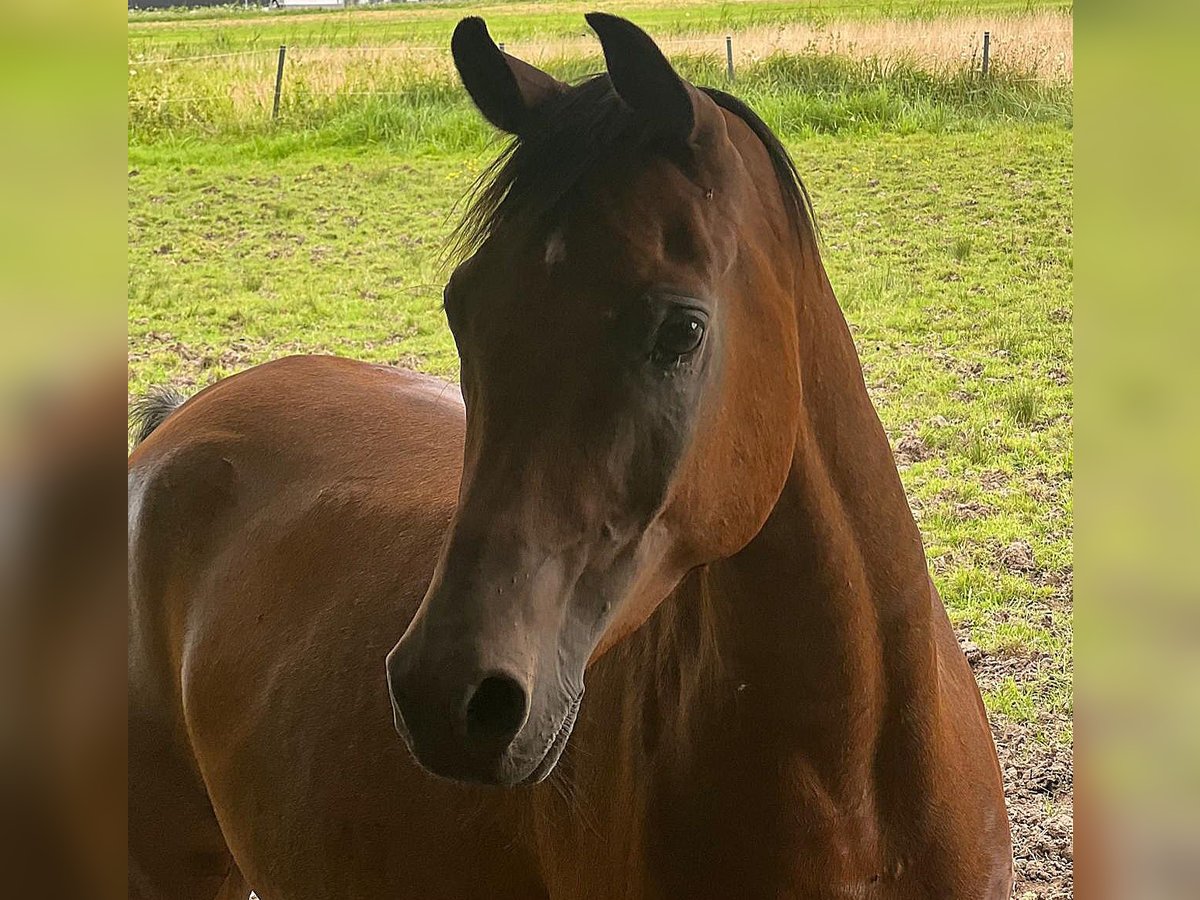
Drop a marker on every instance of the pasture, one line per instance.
(944, 203)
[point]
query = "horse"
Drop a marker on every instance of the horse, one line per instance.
(364, 603)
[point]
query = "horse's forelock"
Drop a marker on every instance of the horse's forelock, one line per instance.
(534, 178)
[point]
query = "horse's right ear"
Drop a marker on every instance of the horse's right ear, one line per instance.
(506, 90)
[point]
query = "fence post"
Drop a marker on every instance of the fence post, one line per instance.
(987, 52)
(729, 55)
(278, 81)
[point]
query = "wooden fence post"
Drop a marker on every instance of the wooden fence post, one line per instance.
(987, 52)
(278, 81)
(729, 55)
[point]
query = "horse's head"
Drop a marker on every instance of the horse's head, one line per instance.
(626, 323)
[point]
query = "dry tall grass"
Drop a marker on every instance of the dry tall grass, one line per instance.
(1039, 44)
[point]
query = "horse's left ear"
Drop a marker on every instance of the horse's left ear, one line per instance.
(645, 80)
(508, 91)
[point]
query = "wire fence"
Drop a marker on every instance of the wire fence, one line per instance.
(983, 45)
(403, 48)
(151, 61)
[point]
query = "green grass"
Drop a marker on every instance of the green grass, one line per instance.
(799, 95)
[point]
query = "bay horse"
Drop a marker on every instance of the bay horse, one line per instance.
(663, 478)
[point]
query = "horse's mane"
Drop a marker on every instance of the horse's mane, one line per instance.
(536, 177)
(151, 410)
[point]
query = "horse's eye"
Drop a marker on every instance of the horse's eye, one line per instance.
(679, 335)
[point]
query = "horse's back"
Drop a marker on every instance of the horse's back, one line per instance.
(303, 413)
(284, 527)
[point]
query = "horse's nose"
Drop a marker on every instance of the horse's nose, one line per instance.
(496, 712)
(456, 721)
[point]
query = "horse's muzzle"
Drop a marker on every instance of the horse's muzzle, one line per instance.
(477, 728)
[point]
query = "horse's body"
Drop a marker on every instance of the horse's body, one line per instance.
(776, 706)
(742, 743)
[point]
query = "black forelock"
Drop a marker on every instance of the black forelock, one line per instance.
(536, 178)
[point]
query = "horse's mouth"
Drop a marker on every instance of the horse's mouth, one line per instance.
(556, 745)
(494, 773)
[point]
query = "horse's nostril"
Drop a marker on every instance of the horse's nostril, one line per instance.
(497, 710)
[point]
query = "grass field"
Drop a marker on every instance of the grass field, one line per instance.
(945, 204)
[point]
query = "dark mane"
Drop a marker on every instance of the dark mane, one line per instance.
(535, 178)
(795, 194)
(150, 411)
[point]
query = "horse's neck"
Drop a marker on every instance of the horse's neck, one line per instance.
(778, 681)
(825, 621)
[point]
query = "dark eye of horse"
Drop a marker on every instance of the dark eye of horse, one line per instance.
(678, 336)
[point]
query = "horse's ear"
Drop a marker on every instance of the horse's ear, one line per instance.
(644, 79)
(506, 90)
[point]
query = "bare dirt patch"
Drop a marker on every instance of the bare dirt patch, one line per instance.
(912, 449)
(1038, 783)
